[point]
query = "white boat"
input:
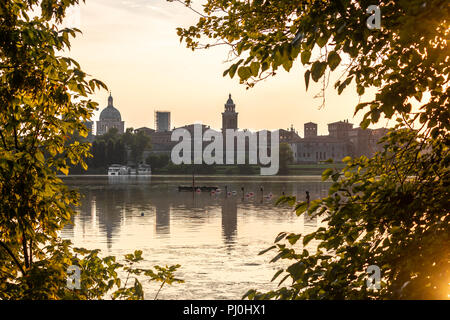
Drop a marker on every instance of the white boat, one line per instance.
(117, 170)
(144, 170)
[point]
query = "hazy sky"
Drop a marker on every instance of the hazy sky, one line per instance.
(133, 47)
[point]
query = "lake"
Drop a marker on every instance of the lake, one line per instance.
(215, 238)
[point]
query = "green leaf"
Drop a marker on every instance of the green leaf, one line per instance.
(326, 174)
(266, 250)
(301, 207)
(276, 274)
(280, 236)
(287, 64)
(333, 60)
(305, 56)
(233, 69)
(254, 68)
(244, 73)
(347, 159)
(293, 238)
(307, 239)
(296, 270)
(317, 70)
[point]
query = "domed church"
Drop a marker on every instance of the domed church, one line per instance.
(110, 118)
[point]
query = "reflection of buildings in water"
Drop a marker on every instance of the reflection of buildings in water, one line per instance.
(110, 206)
(106, 208)
(229, 220)
(162, 208)
(128, 180)
(84, 212)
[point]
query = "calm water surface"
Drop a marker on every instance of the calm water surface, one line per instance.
(215, 238)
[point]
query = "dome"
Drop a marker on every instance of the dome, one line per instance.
(229, 106)
(110, 113)
(230, 101)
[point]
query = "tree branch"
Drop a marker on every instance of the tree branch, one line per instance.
(4, 246)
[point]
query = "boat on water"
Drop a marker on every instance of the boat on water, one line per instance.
(144, 170)
(196, 188)
(121, 170)
(117, 170)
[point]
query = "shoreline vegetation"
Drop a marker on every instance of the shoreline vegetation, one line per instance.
(225, 170)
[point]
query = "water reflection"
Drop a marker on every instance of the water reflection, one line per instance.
(162, 209)
(216, 238)
(229, 220)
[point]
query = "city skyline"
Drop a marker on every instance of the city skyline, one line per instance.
(101, 126)
(147, 69)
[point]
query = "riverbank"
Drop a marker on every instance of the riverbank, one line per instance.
(226, 170)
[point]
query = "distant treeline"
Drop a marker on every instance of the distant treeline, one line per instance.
(114, 148)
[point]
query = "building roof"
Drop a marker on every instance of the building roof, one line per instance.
(341, 122)
(230, 101)
(110, 113)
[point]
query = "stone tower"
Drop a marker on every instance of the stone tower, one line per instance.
(310, 130)
(230, 116)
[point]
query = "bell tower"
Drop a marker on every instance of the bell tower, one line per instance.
(230, 116)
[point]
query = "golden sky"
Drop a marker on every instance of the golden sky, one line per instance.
(133, 47)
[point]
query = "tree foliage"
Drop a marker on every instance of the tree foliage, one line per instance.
(391, 210)
(137, 142)
(286, 157)
(158, 162)
(44, 101)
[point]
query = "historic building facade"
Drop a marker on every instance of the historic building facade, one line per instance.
(343, 140)
(110, 118)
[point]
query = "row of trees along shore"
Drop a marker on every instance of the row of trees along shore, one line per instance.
(113, 148)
